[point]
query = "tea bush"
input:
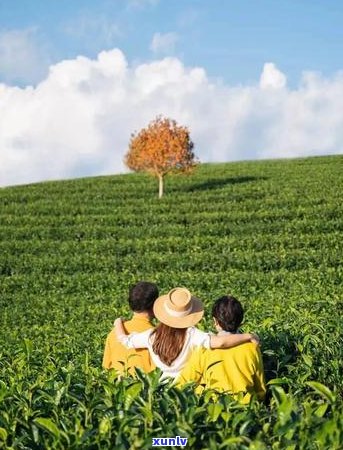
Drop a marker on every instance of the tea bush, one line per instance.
(269, 232)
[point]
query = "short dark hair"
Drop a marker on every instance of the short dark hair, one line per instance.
(142, 296)
(229, 313)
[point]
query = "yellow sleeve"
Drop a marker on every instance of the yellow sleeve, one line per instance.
(106, 360)
(193, 370)
(259, 381)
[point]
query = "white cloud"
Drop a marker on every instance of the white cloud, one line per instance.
(78, 121)
(164, 43)
(272, 77)
(22, 58)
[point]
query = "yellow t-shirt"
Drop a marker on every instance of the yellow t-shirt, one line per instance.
(233, 370)
(116, 356)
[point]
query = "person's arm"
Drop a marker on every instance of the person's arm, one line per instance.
(133, 340)
(231, 340)
(202, 339)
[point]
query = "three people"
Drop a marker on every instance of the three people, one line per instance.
(185, 353)
(172, 342)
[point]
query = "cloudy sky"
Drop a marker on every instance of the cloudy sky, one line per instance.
(251, 79)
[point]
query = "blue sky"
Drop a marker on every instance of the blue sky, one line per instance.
(251, 79)
(231, 39)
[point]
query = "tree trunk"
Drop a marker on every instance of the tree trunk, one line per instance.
(160, 186)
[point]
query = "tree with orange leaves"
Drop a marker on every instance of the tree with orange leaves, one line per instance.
(161, 148)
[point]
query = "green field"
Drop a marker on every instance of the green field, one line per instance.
(268, 232)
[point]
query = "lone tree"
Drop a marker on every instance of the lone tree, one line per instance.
(161, 148)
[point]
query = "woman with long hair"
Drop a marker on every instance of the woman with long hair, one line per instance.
(171, 343)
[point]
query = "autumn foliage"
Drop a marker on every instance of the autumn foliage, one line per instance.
(160, 148)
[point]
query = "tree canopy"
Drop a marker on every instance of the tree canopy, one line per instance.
(160, 148)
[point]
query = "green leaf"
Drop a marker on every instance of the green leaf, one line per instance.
(3, 434)
(322, 390)
(234, 440)
(3, 390)
(105, 425)
(321, 410)
(47, 425)
(307, 359)
(131, 393)
(279, 394)
(214, 409)
(278, 381)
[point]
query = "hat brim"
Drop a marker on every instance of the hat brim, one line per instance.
(192, 318)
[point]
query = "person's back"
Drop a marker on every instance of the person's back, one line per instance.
(237, 370)
(117, 356)
(234, 370)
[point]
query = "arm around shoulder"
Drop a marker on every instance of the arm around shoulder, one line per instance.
(133, 340)
(230, 340)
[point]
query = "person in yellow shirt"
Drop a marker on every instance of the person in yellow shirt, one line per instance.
(141, 300)
(237, 370)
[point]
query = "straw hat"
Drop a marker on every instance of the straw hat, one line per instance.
(178, 309)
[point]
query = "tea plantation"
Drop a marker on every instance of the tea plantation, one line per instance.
(268, 232)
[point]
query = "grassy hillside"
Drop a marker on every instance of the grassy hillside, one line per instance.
(268, 232)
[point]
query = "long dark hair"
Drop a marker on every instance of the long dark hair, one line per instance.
(168, 342)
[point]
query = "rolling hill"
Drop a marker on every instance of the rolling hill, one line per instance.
(268, 232)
